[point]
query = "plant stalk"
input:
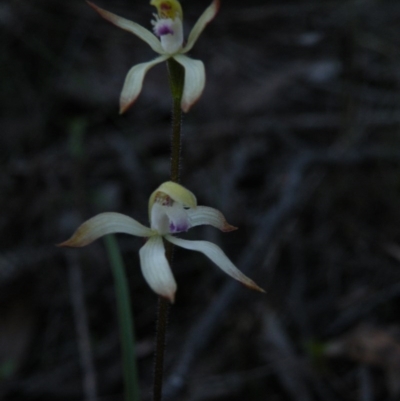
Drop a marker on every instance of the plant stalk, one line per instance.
(176, 76)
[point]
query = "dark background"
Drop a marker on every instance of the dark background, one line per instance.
(296, 139)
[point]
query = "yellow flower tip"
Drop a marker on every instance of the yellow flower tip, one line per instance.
(168, 8)
(176, 192)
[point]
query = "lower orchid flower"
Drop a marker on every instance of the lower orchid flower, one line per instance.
(172, 209)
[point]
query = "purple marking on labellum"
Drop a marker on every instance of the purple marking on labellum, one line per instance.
(163, 29)
(177, 228)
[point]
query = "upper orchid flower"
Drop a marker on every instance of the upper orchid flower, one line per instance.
(168, 28)
(172, 209)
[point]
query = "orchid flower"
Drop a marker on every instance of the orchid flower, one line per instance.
(168, 42)
(172, 209)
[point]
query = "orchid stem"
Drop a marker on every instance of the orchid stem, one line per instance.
(176, 80)
(125, 318)
(162, 323)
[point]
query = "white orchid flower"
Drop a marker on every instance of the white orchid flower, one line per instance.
(172, 209)
(168, 42)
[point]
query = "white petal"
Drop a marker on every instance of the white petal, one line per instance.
(159, 220)
(208, 14)
(134, 82)
(208, 215)
(216, 254)
(103, 224)
(131, 27)
(195, 79)
(156, 269)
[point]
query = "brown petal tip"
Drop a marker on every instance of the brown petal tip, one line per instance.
(186, 107)
(104, 13)
(96, 8)
(125, 105)
(217, 5)
(227, 228)
(78, 239)
(73, 242)
(253, 286)
(170, 298)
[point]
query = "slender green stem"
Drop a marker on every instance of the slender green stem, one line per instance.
(125, 318)
(176, 79)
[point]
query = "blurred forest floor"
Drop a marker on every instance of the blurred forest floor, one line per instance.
(296, 139)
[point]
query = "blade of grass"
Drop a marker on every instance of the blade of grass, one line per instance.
(125, 318)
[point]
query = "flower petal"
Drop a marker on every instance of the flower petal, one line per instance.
(208, 215)
(134, 82)
(131, 27)
(156, 269)
(103, 224)
(216, 254)
(209, 13)
(195, 79)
